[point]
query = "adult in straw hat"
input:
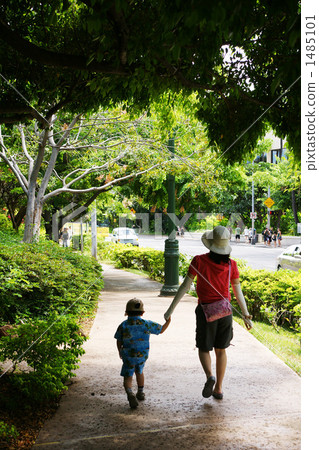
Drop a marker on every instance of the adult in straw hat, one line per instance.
(214, 271)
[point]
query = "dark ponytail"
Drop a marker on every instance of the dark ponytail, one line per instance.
(217, 258)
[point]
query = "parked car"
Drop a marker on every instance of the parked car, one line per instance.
(290, 258)
(124, 236)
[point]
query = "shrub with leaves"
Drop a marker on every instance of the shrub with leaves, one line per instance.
(145, 259)
(45, 290)
(50, 348)
(273, 297)
(36, 279)
(7, 433)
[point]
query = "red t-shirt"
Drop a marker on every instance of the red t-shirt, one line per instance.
(211, 275)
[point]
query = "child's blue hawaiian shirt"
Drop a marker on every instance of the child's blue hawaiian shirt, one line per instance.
(134, 333)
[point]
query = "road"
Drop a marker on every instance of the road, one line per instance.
(257, 256)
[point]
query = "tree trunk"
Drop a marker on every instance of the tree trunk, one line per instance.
(279, 218)
(47, 216)
(294, 206)
(32, 220)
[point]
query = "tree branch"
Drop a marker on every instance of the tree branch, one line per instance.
(104, 187)
(54, 59)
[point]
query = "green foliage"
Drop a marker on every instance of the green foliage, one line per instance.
(51, 349)
(274, 297)
(281, 341)
(4, 222)
(45, 290)
(144, 259)
(86, 54)
(7, 432)
(38, 279)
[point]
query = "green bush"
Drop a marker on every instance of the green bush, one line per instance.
(36, 279)
(50, 348)
(7, 433)
(45, 290)
(5, 223)
(273, 297)
(145, 259)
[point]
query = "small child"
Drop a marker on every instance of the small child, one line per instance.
(133, 337)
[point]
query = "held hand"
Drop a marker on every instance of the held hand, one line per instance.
(248, 322)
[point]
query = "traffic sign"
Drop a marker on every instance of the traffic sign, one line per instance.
(253, 215)
(269, 202)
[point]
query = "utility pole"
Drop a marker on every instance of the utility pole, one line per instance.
(253, 209)
(171, 252)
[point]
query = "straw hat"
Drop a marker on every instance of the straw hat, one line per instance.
(217, 240)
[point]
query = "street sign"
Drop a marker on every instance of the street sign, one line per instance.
(253, 215)
(269, 202)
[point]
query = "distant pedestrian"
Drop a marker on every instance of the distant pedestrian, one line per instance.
(265, 234)
(132, 338)
(250, 235)
(279, 237)
(271, 232)
(214, 329)
(274, 238)
(65, 237)
(246, 234)
(237, 236)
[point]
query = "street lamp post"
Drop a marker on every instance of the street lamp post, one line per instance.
(253, 209)
(171, 253)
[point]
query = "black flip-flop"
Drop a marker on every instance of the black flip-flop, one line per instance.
(218, 396)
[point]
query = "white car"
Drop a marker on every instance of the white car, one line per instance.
(124, 236)
(290, 258)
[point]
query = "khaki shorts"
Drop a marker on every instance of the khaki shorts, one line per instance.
(209, 335)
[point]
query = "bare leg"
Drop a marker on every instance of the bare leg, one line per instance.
(128, 382)
(221, 362)
(140, 379)
(206, 362)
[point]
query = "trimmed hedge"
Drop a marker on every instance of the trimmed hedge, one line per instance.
(45, 290)
(273, 297)
(145, 259)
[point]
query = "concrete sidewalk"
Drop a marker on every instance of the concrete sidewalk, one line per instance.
(260, 409)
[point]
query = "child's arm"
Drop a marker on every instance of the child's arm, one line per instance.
(119, 347)
(168, 321)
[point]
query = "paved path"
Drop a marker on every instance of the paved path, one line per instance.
(260, 409)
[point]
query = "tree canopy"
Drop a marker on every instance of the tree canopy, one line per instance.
(240, 58)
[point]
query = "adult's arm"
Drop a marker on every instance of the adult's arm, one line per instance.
(241, 302)
(184, 287)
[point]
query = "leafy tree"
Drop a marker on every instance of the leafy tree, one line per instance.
(79, 54)
(283, 179)
(81, 157)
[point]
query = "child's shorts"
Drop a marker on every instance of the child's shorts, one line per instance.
(209, 335)
(131, 366)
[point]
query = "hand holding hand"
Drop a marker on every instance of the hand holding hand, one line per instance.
(248, 322)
